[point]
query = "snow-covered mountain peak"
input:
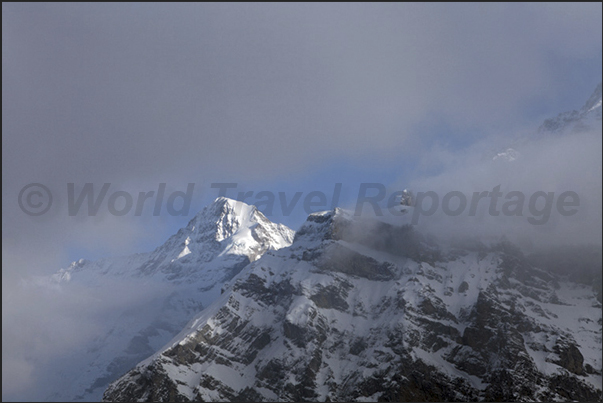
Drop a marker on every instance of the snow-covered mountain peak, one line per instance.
(225, 229)
(224, 217)
(224, 206)
(241, 229)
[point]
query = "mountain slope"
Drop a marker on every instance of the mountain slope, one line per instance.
(177, 279)
(361, 310)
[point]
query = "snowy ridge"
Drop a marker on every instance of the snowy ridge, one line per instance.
(361, 311)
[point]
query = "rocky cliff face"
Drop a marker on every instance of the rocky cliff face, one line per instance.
(357, 310)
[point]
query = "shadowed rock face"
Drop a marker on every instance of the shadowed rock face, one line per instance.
(337, 317)
(570, 357)
(337, 258)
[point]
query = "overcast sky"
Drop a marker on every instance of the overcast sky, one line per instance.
(272, 96)
(136, 95)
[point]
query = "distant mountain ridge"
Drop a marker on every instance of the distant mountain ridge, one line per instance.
(576, 120)
(588, 118)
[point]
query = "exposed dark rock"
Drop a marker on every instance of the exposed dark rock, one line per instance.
(331, 297)
(464, 286)
(570, 357)
(340, 259)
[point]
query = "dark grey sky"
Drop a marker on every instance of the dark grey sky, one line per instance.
(138, 94)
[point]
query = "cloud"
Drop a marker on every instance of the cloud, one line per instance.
(201, 93)
(136, 95)
(49, 328)
(557, 164)
(122, 90)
